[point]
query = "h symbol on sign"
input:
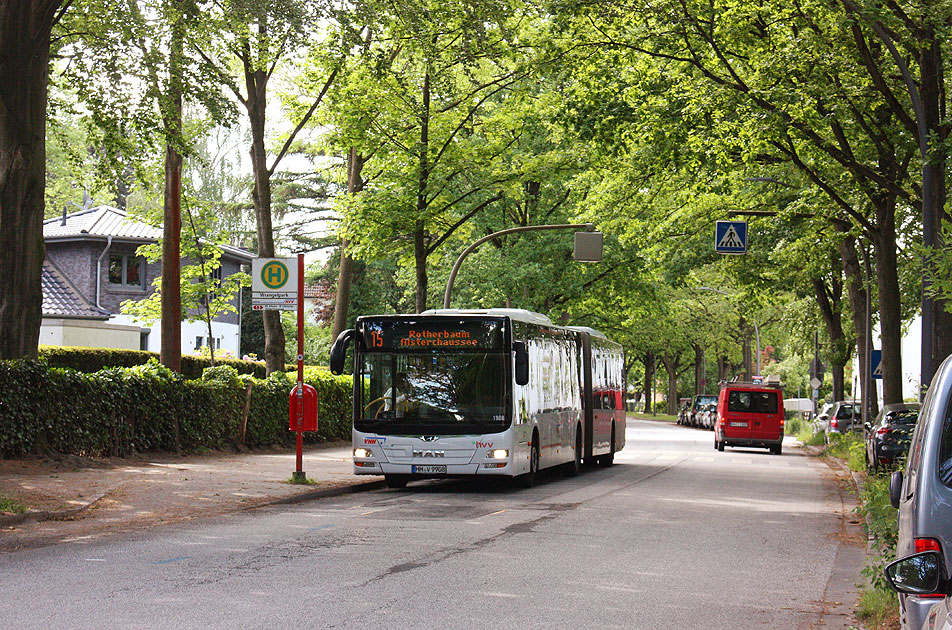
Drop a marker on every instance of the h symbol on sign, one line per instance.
(275, 275)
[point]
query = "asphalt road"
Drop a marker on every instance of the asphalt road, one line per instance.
(675, 535)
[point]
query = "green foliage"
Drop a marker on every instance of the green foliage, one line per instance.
(119, 411)
(11, 506)
(882, 526)
(95, 359)
(878, 607)
(850, 447)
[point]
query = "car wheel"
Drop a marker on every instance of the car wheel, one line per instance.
(608, 460)
(397, 481)
(776, 450)
(573, 467)
(528, 479)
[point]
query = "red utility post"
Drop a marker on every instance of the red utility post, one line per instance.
(303, 399)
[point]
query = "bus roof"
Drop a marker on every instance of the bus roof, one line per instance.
(591, 331)
(516, 314)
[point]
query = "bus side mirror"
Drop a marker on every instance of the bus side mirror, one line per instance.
(522, 362)
(339, 350)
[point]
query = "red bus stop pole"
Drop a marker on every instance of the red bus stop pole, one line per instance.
(299, 475)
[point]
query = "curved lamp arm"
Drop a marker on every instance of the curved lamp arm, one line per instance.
(525, 228)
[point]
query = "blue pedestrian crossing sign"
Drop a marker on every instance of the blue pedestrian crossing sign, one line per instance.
(875, 363)
(730, 237)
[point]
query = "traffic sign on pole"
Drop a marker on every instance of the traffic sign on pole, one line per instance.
(730, 237)
(274, 284)
(876, 364)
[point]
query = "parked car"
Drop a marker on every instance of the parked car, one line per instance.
(750, 414)
(819, 422)
(887, 437)
(684, 411)
(844, 416)
(697, 405)
(923, 496)
(707, 415)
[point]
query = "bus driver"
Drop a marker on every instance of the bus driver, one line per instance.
(396, 397)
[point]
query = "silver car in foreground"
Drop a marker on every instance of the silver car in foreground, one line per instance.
(923, 496)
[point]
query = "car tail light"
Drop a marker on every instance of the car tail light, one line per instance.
(835, 423)
(883, 430)
(928, 544)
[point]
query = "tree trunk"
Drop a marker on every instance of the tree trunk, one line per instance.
(355, 164)
(24, 64)
(723, 368)
(671, 364)
(937, 321)
(256, 82)
(649, 362)
(423, 179)
(170, 353)
(746, 331)
(700, 385)
(890, 317)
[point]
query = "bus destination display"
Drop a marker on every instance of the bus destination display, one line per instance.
(384, 335)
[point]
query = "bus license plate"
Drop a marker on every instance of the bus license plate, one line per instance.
(428, 470)
(739, 424)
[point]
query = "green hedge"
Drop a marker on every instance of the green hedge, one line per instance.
(122, 410)
(94, 359)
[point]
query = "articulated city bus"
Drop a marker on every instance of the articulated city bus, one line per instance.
(499, 392)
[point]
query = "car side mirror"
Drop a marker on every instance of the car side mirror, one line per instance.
(339, 350)
(522, 362)
(895, 489)
(920, 574)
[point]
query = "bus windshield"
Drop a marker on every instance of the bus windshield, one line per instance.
(432, 394)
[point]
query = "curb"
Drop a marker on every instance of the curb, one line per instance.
(10, 520)
(351, 488)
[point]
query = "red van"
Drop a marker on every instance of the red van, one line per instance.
(750, 414)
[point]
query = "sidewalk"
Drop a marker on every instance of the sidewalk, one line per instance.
(80, 499)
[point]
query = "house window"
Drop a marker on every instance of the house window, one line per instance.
(126, 271)
(214, 280)
(215, 342)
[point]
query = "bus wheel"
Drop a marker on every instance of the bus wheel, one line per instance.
(608, 460)
(397, 481)
(573, 467)
(528, 480)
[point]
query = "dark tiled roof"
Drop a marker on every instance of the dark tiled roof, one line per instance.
(100, 221)
(103, 221)
(61, 299)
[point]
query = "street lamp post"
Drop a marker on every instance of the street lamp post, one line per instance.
(525, 228)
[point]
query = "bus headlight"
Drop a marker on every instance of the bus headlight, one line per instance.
(363, 453)
(498, 453)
